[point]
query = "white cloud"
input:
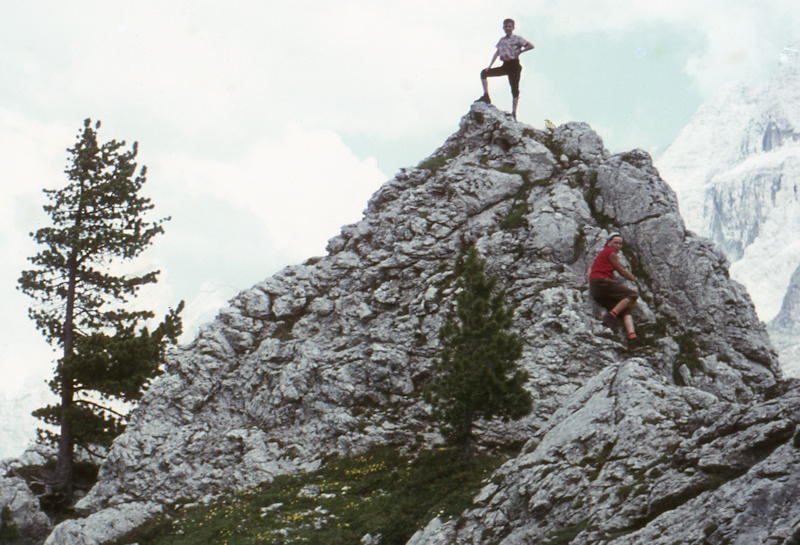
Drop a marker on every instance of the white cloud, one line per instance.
(302, 187)
(28, 152)
(744, 42)
(741, 39)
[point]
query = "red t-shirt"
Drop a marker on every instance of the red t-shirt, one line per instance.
(602, 267)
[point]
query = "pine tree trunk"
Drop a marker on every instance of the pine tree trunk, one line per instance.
(466, 439)
(63, 485)
(63, 478)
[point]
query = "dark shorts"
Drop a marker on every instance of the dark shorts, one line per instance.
(610, 292)
(512, 69)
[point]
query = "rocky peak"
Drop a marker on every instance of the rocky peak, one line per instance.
(331, 356)
(736, 170)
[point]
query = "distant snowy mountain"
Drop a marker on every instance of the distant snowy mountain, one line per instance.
(736, 170)
(17, 426)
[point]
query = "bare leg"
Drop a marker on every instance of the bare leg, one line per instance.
(514, 111)
(627, 322)
(621, 306)
(485, 83)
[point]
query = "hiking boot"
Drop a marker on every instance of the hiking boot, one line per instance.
(484, 98)
(609, 320)
(634, 343)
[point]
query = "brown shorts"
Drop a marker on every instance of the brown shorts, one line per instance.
(610, 292)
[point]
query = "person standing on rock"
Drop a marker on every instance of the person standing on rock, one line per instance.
(509, 49)
(609, 292)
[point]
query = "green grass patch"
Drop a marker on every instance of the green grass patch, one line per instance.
(435, 162)
(567, 534)
(527, 182)
(380, 492)
(516, 218)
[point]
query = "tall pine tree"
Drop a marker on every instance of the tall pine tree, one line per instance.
(107, 355)
(476, 373)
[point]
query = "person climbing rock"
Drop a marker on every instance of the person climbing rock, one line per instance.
(611, 293)
(509, 49)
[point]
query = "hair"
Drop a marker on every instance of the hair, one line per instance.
(509, 21)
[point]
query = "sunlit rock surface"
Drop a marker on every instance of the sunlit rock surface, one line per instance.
(674, 443)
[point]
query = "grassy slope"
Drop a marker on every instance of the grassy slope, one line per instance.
(380, 492)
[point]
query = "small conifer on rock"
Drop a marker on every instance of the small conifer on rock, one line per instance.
(9, 531)
(476, 374)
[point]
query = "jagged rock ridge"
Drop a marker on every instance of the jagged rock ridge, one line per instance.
(736, 170)
(330, 357)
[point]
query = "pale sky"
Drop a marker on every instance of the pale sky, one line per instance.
(266, 125)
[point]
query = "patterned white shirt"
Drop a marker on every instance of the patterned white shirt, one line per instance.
(510, 47)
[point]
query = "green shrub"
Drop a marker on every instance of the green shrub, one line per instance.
(516, 218)
(687, 355)
(9, 531)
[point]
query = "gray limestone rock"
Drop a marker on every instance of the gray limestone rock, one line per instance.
(331, 357)
(32, 524)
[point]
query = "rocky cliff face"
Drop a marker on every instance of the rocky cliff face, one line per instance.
(691, 439)
(784, 329)
(736, 170)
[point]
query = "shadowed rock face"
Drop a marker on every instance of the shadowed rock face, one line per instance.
(784, 329)
(32, 524)
(331, 356)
